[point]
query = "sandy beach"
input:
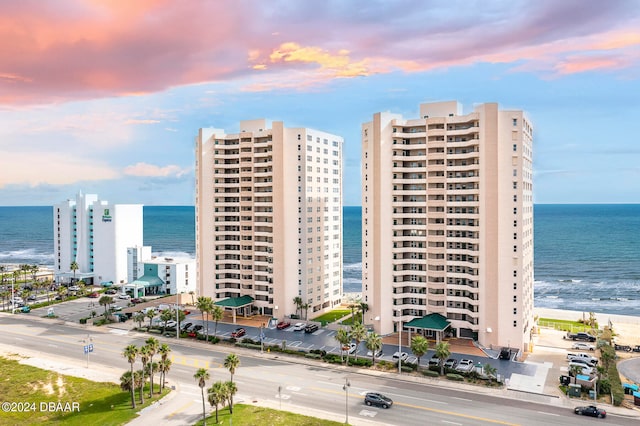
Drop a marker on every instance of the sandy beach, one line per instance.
(626, 327)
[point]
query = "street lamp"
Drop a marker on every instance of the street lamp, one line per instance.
(399, 341)
(262, 338)
(346, 387)
(177, 314)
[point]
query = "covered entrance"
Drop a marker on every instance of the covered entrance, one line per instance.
(431, 326)
(242, 303)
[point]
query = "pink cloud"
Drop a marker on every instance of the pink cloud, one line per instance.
(66, 50)
(151, 170)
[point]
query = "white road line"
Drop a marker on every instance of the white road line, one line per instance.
(451, 423)
(461, 399)
(549, 414)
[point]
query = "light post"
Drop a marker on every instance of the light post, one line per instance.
(399, 341)
(262, 338)
(177, 315)
(346, 387)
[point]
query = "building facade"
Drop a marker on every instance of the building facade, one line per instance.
(448, 221)
(95, 234)
(269, 217)
(151, 275)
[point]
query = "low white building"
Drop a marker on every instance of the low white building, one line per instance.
(151, 275)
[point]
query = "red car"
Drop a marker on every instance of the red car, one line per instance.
(94, 295)
(282, 325)
(239, 332)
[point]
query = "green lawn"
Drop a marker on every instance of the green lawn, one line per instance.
(332, 316)
(249, 415)
(34, 389)
(566, 325)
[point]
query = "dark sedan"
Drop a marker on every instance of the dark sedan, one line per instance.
(592, 411)
(374, 398)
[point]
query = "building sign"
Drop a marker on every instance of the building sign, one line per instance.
(106, 217)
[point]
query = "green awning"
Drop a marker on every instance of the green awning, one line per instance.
(435, 322)
(149, 281)
(235, 302)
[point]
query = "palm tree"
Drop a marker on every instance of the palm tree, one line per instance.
(343, 337)
(574, 370)
(231, 390)
(151, 313)
(3, 269)
(25, 295)
(364, 307)
(306, 307)
(373, 342)
(139, 318)
(74, 267)
(490, 371)
(131, 353)
(419, 347)
(205, 305)
(231, 363)
(153, 344)
(105, 301)
(192, 293)
(128, 383)
(164, 365)
(166, 316)
(25, 269)
(217, 394)
(442, 353)
(144, 358)
(358, 333)
(201, 376)
(298, 302)
(216, 314)
(34, 272)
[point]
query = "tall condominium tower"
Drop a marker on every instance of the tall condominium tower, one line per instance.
(269, 218)
(95, 234)
(448, 223)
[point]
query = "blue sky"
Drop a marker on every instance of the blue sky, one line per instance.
(107, 97)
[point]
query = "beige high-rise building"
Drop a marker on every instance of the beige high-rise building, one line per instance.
(448, 222)
(269, 218)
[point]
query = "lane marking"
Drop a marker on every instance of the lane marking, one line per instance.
(548, 414)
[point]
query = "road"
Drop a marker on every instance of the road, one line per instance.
(305, 386)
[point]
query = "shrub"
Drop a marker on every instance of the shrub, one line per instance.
(411, 365)
(249, 340)
(83, 320)
(360, 362)
(320, 352)
(313, 356)
(214, 339)
(406, 369)
(248, 345)
(455, 377)
(430, 373)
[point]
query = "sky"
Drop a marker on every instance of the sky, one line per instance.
(107, 96)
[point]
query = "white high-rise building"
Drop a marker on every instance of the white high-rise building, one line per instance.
(269, 217)
(95, 234)
(448, 223)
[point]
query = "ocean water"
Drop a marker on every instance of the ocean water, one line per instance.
(587, 257)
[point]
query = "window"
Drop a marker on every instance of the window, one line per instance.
(515, 323)
(515, 121)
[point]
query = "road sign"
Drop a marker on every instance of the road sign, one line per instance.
(88, 348)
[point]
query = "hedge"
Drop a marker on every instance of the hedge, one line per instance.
(430, 373)
(455, 377)
(614, 377)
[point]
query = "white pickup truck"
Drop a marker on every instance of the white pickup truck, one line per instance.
(582, 356)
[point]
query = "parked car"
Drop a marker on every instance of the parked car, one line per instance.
(186, 326)
(171, 324)
(74, 288)
(400, 356)
(136, 300)
(451, 363)
(32, 298)
(374, 398)
(282, 325)
(197, 327)
(350, 348)
(584, 369)
(465, 365)
(581, 346)
(124, 296)
(580, 336)
(94, 295)
(238, 332)
(636, 348)
(505, 353)
(299, 326)
(591, 410)
(434, 361)
(25, 309)
(378, 353)
(311, 328)
(625, 348)
(111, 291)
